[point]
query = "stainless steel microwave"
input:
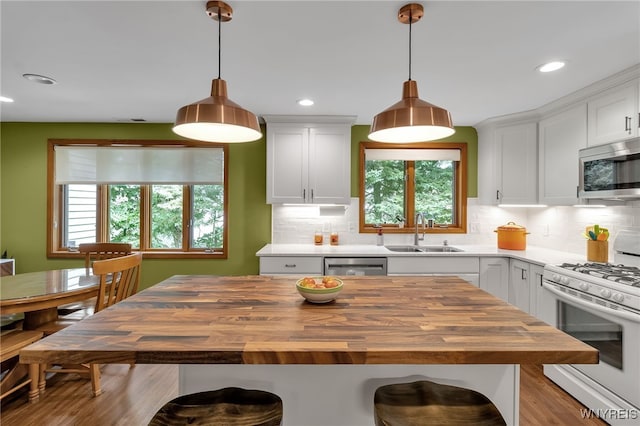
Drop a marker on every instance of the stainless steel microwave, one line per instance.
(610, 171)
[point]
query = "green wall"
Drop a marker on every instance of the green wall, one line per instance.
(23, 196)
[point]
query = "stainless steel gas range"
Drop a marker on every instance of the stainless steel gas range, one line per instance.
(599, 303)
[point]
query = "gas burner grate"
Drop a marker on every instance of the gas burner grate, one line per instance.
(628, 275)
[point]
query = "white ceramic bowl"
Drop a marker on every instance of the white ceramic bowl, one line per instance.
(319, 295)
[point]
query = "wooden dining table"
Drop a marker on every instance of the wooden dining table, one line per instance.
(324, 360)
(38, 294)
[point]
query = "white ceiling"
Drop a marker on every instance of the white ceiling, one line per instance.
(115, 61)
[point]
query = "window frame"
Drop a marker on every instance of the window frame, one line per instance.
(55, 205)
(460, 210)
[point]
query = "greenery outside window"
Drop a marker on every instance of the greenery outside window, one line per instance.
(398, 181)
(165, 198)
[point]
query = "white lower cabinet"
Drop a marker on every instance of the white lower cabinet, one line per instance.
(465, 267)
(300, 265)
(524, 283)
(535, 272)
(494, 276)
(519, 294)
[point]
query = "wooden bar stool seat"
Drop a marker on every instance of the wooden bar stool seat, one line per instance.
(228, 406)
(428, 403)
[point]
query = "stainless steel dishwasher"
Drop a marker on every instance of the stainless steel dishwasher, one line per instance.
(355, 266)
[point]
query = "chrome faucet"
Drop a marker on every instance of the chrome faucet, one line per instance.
(417, 238)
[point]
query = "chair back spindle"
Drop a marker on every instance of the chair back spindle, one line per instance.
(101, 251)
(119, 279)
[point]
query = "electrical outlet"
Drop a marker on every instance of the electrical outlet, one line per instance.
(352, 227)
(474, 228)
(545, 230)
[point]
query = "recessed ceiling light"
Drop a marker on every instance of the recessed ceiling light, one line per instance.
(5, 99)
(305, 102)
(42, 79)
(551, 66)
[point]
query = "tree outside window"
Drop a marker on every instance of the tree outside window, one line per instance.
(398, 181)
(167, 220)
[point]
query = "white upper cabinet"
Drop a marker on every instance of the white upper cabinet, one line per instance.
(508, 163)
(517, 166)
(560, 137)
(613, 114)
(308, 162)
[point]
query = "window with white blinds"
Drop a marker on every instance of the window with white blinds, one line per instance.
(138, 165)
(166, 198)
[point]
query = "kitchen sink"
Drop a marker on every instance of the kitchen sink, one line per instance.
(405, 249)
(424, 249)
(440, 249)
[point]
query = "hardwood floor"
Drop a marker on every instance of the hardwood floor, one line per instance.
(544, 403)
(131, 397)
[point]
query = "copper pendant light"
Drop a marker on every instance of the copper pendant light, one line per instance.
(217, 118)
(411, 119)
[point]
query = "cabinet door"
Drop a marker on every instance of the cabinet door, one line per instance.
(494, 276)
(519, 285)
(487, 165)
(330, 165)
(287, 164)
(517, 174)
(613, 115)
(561, 136)
(535, 287)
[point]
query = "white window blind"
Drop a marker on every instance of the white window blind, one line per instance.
(412, 154)
(136, 165)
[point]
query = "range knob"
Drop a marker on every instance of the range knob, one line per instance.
(618, 297)
(583, 286)
(606, 293)
(564, 280)
(555, 277)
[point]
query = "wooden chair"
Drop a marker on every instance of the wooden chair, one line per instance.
(101, 251)
(229, 406)
(93, 252)
(15, 375)
(424, 403)
(119, 279)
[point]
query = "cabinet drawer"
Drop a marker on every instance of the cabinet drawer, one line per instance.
(290, 265)
(433, 265)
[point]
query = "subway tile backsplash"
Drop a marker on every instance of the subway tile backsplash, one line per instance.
(558, 228)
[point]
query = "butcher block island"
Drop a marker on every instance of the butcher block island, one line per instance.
(324, 360)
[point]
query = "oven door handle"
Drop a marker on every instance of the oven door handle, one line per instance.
(592, 306)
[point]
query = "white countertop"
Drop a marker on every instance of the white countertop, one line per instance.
(537, 255)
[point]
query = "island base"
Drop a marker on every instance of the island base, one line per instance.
(342, 395)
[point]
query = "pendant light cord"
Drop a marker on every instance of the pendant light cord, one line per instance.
(410, 24)
(219, 41)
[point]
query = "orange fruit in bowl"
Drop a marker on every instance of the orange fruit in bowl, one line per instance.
(331, 283)
(308, 282)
